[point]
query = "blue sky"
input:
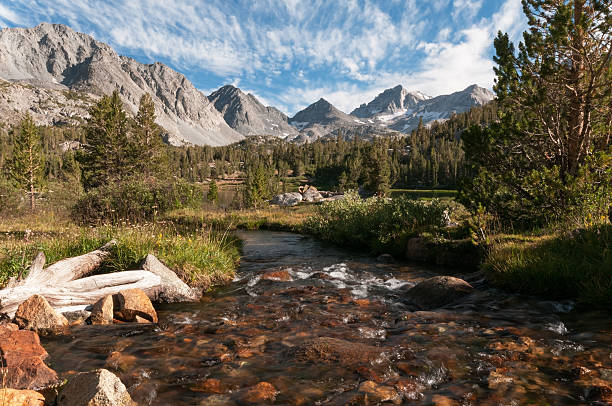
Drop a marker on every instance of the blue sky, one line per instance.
(290, 53)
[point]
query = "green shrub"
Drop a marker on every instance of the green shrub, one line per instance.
(134, 201)
(376, 223)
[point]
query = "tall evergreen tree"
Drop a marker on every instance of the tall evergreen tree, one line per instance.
(27, 165)
(149, 151)
(107, 154)
(548, 155)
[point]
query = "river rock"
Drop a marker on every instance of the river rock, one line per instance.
(77, 317)
(38, 315)
(311, 194)
(133, 305)
(282, 275)
(438, 291)
(260, 393)
(172, 289)
(380, 393)
(347, 353)
(15, 397)
(95, 388)
(103, 311)
(23, 358)
(287, 199)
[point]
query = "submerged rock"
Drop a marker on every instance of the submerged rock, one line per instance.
(133, 305)
(260, 393)
(172, 289)
(15, 397)
(287, 199)
(282, 275)
(23, 358)
(38, 315)
(95, 388)
(438, 291)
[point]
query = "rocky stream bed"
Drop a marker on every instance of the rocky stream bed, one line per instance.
(307, 324)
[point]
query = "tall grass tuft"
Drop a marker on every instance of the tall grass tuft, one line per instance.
(575, 264)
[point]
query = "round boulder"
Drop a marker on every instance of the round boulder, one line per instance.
(438, 291)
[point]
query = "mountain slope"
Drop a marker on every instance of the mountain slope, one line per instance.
(247, 115)
(322, 119)
(389, 102)
(53, 56)
(401, 110)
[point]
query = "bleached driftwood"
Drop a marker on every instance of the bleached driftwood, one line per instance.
(64, 286)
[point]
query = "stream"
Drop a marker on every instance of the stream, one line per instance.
(305, 323)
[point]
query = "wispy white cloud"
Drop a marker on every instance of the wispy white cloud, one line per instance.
(290, 52)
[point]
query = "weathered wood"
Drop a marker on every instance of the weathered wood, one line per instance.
(78, 294)
(36, 267)
(69, 269)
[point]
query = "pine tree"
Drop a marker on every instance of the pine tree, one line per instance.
(149, 151)
(213, 192)
(107, 154)
(548, 155)
(27, 165)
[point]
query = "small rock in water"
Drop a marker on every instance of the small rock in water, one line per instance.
(282, 275)
(385, 258)
(262, 392)
(380, 393)
(133, 303)
(438, 291)
(77, 317)
(15, 397)
(38, 315)
(95, 388)
(103, 311)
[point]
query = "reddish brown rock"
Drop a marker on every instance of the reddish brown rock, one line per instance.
(23, 358)
(260, 393)
(14, 397)
(103, 311)
(132, 303)
(380, 393)
(38, 315)
(277, 275)
(120, 362)
(438, 291)
(439, 400)
(213, 386)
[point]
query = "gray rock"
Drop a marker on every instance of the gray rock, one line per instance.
(287, 199)
(53, 56)
(95, 388)
(77, 317)
(311, 194)
(245, 114)
(438, 291)
(173, 289)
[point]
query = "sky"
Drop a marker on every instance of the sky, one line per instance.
(290, 53)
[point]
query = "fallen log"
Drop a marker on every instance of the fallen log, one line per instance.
(65, 286)
(81, 293)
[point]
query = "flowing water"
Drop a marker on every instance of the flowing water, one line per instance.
(308, 324)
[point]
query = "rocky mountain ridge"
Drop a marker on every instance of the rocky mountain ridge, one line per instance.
(54, 57)
(246, 114)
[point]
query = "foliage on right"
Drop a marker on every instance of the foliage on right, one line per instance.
(547, 159)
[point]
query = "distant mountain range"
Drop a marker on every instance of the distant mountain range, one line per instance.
(57, 73)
